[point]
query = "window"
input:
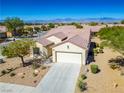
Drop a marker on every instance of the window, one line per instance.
(67, 46)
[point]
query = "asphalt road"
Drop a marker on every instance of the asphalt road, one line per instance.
(61, 78)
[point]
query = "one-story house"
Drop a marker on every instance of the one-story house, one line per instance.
(66, 44)
(4, 33)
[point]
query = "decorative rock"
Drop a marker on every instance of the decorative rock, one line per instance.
(115, 85)
(20, 74)
(35, 81)
(36, 71)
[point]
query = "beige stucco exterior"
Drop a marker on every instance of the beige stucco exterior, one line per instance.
(47, 50)
(9, 34)
(72, 48)
(54, 39)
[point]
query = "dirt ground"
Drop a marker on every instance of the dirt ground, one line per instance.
(25, 72)
(104, 81)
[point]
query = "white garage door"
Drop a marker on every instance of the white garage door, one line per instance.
(69, 57)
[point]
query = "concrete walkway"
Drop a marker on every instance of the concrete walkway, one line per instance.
(14, 88)
(61, 78)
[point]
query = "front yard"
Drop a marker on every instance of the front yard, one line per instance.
(17, 74)
(106, 80)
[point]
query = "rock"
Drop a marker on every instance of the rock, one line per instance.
(115, 85)
(35, 81)
(19, 74)
(36, 71)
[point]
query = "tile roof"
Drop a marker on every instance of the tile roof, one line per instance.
(82, 40)
(59, 35)
(44, 42)
(79, 37)
(3, 29)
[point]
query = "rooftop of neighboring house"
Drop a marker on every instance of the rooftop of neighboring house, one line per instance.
(3, 29)
(59, 35)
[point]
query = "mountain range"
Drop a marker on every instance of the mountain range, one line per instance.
(68, 20)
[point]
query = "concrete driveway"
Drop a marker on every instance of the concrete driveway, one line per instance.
(61, 78)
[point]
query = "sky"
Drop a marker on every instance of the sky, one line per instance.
(54, 9)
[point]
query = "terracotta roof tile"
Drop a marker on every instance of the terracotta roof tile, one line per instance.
(45, 42)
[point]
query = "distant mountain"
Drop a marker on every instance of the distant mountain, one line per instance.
(69, 20)
(104, 19)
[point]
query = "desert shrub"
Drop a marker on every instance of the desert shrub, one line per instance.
(35, 65)
(3, 72)
(108, 35)
(94, 68)
(44, 67)
(12, 74)
(95, 51)
(35, 81)
(82, 85)
(116, 63)
(83, 76)
(122, 72)
(114, 66)
(101, 47)
(23, 77)
(93, 23)
(34, 74)
(101, 51)
(9, 70)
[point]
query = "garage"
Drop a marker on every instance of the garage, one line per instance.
(69, 57)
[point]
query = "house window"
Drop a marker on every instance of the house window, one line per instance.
(67, 46)
(36, 50)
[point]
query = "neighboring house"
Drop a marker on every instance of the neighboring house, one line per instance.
(66, 44)
(4, 33)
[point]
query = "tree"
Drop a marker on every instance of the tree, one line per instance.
(14, 24)
(29, 30)
(19, 48)
(113, 37)
(44, 28)
(93, 24)
(51, 25)
(122, 22)
(37, 29)
(78, 25)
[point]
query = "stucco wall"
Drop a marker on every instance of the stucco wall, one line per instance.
(69, 47)
(42, 49)
(54, 39)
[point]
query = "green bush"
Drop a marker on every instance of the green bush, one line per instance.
(35, 65)
(114, 66)
(51, 25)
(9, 70)
(12, 74)
(95, 51)
(83, 76)
(94, 68)
(22, 77)
(44, 67)
(34, 74)
(108, 34)
(82, 85)
(93, 24)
